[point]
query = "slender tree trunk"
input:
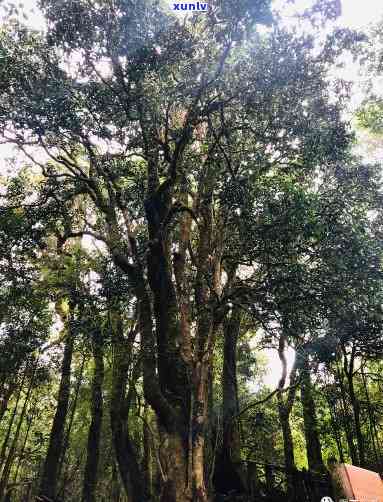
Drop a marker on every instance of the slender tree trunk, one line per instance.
(336, 429)
(229, 475)
(5, 396)
(199, 424)
(12, 419)
(28, 493)
(358, 428)
(115, 496)
(284, 410)
(3, 406)
(8, 464)
(373, 429)
(348, 366)
(288, 445)
(147, 460)
(62, 476)
(126, 454)
(313, 445)
(72, 407)
(269, 478)
(285, 406)
(349, 437)
(49, 479)
(21, 455)
(230, 406)
(93, 450)
(211, 445)
(347, 419)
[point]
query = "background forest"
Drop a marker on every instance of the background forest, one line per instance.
(188, 194)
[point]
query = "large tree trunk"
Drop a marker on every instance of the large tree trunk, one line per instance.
(170, 394)
(313, 446)
(49, 478)
(176, 487)
(175, 377)
(93, 448)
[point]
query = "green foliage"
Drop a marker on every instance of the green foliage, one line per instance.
(371, 117)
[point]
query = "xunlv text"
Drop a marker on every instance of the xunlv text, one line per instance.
(201, 7)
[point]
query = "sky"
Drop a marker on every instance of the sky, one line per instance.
(359, 13)
(356, 14)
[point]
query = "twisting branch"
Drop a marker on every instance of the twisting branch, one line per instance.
(267, 398)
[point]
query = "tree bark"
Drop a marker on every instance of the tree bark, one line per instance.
(49, 478)
(93, 448)
(348, 365)
(229, 476)
(159, 312)
(147, 463)
(313, 445)
(8, 463)
(126, 454)
(21, 454)
(72, 411)
(5, 396)
(12, 419)
(373, 429)
(288, 445)
(284, 410)
(176, 487)
(336, 428)
(358, 428)
(347, 419)
(115, 491)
